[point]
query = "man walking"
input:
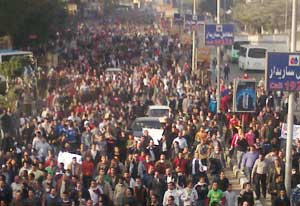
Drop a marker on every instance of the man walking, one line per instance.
(259, 175)
(226, 72)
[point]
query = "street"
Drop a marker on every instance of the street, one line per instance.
(235, 72)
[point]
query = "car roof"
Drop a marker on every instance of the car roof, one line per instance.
(251, 46)
(144, 119)
(159, 107)
(112, 69)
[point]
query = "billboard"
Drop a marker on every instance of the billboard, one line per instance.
(244, 95)
(219, 34)
(203, 54)
(283, 71)
(296, 131)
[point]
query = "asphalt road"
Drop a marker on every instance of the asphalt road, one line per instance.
(235, 72)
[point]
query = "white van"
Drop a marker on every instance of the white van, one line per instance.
(7, 55)
(252, 57)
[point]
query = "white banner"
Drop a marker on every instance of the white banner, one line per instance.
(66, 158)
(296, 131)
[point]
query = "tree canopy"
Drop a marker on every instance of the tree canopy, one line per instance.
(13, 68)
(29, 20)
(268, 14)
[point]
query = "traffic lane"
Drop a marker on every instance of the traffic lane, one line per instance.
(235, 72)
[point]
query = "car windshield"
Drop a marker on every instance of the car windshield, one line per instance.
(237, 45)
(139, 125)
(243, 51)
(257, 53)
(158, 112)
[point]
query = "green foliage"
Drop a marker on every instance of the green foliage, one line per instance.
(266, 13)
(22, 18)
(3, 87)
(13, 68)
(9, 100)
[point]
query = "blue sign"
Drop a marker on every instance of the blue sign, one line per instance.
(177, 18)
(245, 95)
(283, 71)
(191, 20)
(219, 34)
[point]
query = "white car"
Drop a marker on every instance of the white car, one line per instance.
(159, 111)
(151, 124)
(111, 69)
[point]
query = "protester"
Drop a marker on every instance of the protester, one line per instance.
(84, 114)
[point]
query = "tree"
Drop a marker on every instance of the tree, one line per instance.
(13, 68)
(268, 14)
(31, 19)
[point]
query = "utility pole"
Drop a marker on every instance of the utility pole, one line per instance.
(286, 16)
(181, 25)
(218, 61)
(194, 39)
(290, 117)
(181, 8)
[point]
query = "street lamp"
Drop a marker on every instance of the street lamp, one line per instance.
(290, 117)
(194, 39)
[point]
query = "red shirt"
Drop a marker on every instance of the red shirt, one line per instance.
(234, 122)
(181, 163)
(149, 164)
(87, 168)
(234, 140)
(250, 138)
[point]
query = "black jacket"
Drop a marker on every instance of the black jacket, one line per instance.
(6, 194)
(242, 145)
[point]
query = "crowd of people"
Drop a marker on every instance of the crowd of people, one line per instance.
(88, 112)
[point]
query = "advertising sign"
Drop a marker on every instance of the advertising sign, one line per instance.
(296, 131)
(192, 21)
(244, 95)
(177, 18)
(203, 54)
(283, 71)
(219, 34)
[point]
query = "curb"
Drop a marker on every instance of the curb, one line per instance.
(241, 178)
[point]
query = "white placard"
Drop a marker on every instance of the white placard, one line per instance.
(296, 131)
(66, 158)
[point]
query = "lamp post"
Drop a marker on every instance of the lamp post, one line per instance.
(290, 117)
(194, 39)
(218, 61)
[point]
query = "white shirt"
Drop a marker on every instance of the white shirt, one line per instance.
(231, 199)
(16, 187)
(189, 197)
(181, 141)
(94, 196)
(193, 166)
(175, 193)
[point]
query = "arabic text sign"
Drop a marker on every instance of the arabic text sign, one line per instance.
(283, 71)
(219, 34)
(296, 131)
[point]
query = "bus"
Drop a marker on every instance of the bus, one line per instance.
(7, 55)
(235, 50)
(252, 57)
